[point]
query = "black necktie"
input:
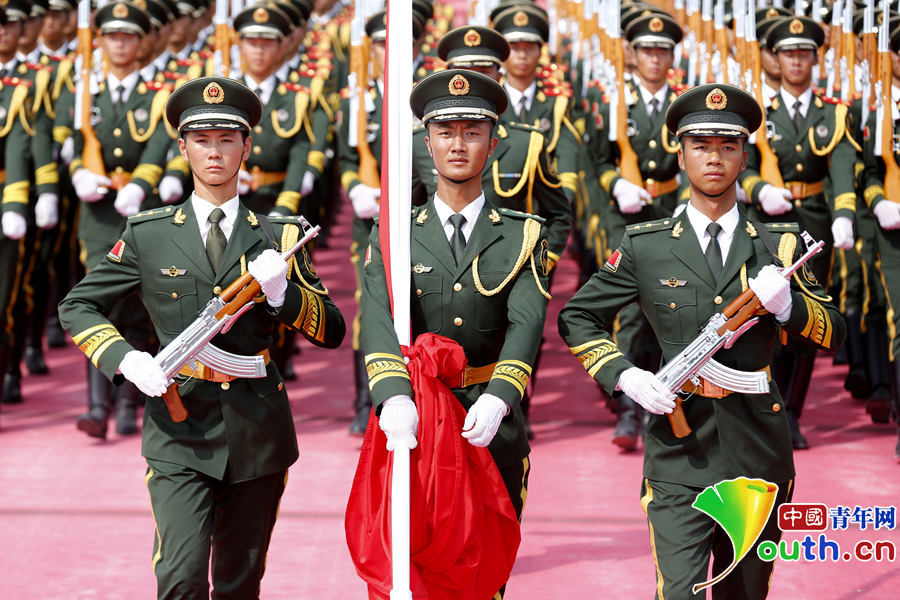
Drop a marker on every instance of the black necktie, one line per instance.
(798, 118)
(521, 112)
(259, 93)
(653, 107)
(713, 250)
(457, 240)
(215, 239)
(120, 100)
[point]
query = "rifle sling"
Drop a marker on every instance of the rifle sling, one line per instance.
(267, 229)
(767, 240)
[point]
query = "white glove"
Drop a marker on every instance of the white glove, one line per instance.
(842, 232)
(14, 225)
(140, 369)
(270, 270)
(741, 195)
(775, 200)
(888, 214)
(67, 152)
(128, 200)
(644, 388)
(631, 197)
(89, 186)
(365, 200)
(170, 189)
(399, 421)
(483, 420)
(244, 179)
(46, 211)
(773, 291)
(309, 180)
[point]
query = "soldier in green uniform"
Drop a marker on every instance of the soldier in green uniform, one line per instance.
(811, 138)
(126, 118)
(215, 479)
(479, 278)
(363, 196)
(14, 207)
(680, 271)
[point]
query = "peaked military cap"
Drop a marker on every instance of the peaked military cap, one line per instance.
(473, 46)
(795, 33)
(62, 5)
(458, 95)
(715, 109)
(304, 6)
(39, 8)
(895, 40)
(291, 12)
(635, 11)
(185, 8)
(213, 103)
(523, 23)
(771, 12)
(860, 15)
(17, 10)
(376, 26)
(158, 11)
(122, 17)
(505, 5)
(655, 30)
(762, 30)
(262, 21)
(423, 9)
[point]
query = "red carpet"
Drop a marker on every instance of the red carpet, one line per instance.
(75, 520)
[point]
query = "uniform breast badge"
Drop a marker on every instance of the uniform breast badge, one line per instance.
(420, 268)
(673, 282)
(173, 271)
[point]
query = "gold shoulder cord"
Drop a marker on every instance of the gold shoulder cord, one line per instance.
(316, 88)
(668, 146)
(157, 109)
(559, 112)
(289, 236)
(42, 93)
(531, 233)
(840, 131)
(301, 101)
(528, 169)
(537, 280)
(15, 105)
(786, 247)
(62, 74)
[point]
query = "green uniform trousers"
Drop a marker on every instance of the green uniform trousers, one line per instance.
(197, 515)
(683, 538)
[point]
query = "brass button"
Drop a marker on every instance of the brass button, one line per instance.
(226, 385)
(174, 294)
(652, 164)
(418, 292)
(117, 132)
(280, 386)
(457, 286)
(140, 131)
(797, 203)
(117, 152)
(799, 168)
(718, 299)
(776, 407)
(217, 290)
(256, 149)
(798, 148)
(672, 305)
(257, 129)
(457, 321)
(652, 143)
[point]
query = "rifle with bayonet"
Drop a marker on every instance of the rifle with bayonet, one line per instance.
(768, 162)
(193, 344)
(885, 121)
(92, 153)
(359, 85)
(722, 331)
(629, 168)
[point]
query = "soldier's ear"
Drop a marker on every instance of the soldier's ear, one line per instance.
(246, 153)
(428, 145)
(183, 149)
(680, 155)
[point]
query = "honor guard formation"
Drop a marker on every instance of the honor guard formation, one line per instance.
(724, 173)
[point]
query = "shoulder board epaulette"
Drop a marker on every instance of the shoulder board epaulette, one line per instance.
(16, 81)
(295, 87)
(828, 100)
(522, 126)
(150, 215)
(657, 225)
(517, 214)
(34, 66)
(155, 86)
(783, 227)
(188, 62)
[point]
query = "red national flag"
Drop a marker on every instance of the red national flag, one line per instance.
(464, 531)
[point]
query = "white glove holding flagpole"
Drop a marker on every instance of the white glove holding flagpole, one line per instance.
(630, 197)
(647, 390)
(775, 200)
(773, 291)
(483, 420)
(399, 421)
(270, 271)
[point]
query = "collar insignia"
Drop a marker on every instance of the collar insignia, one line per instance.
(494, 216)
(751, 230)
(677, 230)
(179, 217)
(251, 218)
(423, 216)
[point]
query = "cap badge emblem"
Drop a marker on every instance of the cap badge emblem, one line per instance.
(655, 25)
(796, 27)
(472, 38)
(213, 93)
(459, 85)
(716, 99)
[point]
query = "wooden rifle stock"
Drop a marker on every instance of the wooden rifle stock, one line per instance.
(368, 164)
(92, 153)
(629, 167)
(891, 169)
(768, 162)
(678, 421)
(849, 40)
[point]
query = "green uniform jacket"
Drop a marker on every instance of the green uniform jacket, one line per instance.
(247, 425)
(497, 317)
(516, 176)
(14, 143)
(660, 266)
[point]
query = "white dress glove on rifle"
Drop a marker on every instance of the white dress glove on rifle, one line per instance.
(630, 197)
(644, 388)
(773, 291)
(244, 179)
(89, 186)
(309, 181)
(140, 369)
(365, 200)
(170, 189)
(842, 232)
(14, 225)
(270, 270)
(399, 421)
(775, 200)
(128, 200)
(888, 214)
(483, 420)
(46, 211)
